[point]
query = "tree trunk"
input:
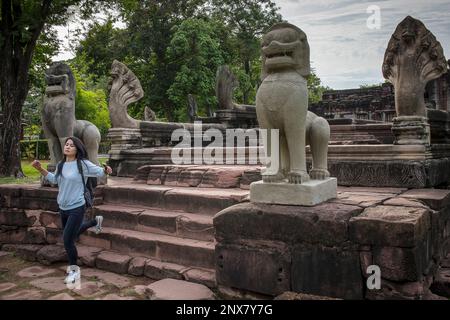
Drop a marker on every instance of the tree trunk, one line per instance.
(168, 110)
(248, 72)
(10, 131)
(15, 60)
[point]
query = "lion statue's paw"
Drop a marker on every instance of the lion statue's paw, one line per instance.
(319, 174)
(298, 177)
(269, 177)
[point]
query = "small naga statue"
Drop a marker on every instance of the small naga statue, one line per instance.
(125, 89)
(413, 58)
(282, 103)
(226, 82)
(192, 108)
(149, 114)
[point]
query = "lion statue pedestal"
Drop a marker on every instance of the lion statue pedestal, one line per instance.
(282, 104)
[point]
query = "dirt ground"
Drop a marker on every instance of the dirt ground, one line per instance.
(24, 280)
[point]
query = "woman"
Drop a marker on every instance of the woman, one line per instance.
(71, 200)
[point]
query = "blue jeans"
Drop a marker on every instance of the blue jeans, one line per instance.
(73, 226)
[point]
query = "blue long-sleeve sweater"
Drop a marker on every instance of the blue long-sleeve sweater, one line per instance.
(71, 189)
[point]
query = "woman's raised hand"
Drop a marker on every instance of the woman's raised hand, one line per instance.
(36, 164)
(108, 169)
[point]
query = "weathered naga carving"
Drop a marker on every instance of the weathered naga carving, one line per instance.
(125, 89)
(413, 58)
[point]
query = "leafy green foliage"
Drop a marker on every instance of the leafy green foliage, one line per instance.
(99, 47)
(22, 23)
(315, 88)
(174, 48)
(247, 20)
(368, 86)
(195, 51)
(34, 149)
(90, 102)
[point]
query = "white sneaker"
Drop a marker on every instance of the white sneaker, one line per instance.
(73, 274)
(98, 227)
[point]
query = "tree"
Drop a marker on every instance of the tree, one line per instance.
(46, 47)
(369, 86)
(315, 88)
(195, 50)
(148, 48)
(22, 23)
(247, 20)
(150, 28)
(99, 47)
(90, 101)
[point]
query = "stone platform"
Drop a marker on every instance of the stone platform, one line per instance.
(306, 194)
(326, 249)
(410, 166)
(378, 165)
(215, 237)
(168, 227)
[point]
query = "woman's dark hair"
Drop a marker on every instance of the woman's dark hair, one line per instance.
(81, 154)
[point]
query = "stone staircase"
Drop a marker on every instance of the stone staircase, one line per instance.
(167, 224)
(351, 138)
(164, 229)
(157, 230)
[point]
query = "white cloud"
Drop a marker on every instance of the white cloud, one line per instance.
(344, 51)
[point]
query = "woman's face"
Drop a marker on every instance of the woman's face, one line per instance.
(70, 149)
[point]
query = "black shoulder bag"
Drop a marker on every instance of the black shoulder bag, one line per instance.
(88, 194)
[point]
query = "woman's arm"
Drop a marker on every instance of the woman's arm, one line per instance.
(48, 175)
(92, 170)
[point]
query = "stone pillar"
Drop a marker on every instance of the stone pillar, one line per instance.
(411, 130)
(122, 139)
(125, 138)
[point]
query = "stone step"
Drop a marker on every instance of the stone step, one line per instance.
(207, 201)
(169, 222)
(203, 176)
(111, 261)
(161, 247)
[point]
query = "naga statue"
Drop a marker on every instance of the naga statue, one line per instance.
(125, 89)
(226, 83)
(412, 59)
(149, 114)
(192, 108)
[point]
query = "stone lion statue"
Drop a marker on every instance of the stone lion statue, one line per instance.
(282, 103)
(58, 115)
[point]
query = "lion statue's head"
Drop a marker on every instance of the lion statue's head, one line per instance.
(60, 80)
(285, 46)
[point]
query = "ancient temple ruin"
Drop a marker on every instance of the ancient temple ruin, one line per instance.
(198, 221)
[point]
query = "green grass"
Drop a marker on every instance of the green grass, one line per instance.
(32, 175)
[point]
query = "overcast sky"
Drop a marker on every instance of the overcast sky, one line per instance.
(345, 52)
